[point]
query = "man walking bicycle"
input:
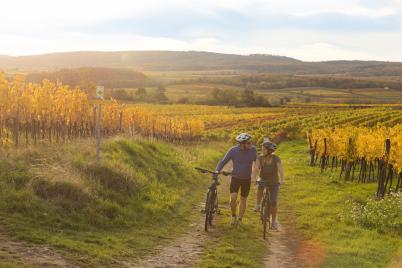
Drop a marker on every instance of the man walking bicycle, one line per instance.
(243, 156)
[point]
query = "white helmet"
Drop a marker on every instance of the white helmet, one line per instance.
(243, 137)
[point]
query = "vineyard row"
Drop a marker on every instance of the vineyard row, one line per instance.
(31, 113)
(375, 154)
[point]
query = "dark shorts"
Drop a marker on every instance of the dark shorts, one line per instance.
(242, 184)
(273, 190)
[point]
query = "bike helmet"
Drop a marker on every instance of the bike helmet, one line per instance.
(269, 145)
(243, 137)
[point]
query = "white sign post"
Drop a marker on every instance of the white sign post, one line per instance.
(100, 92)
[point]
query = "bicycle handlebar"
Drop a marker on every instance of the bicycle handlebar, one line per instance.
(203, 170)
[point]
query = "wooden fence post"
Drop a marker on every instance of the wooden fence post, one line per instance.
(17, 127)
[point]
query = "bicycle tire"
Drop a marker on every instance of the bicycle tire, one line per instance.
(214, 207)
(262, 205)
(265, 214)
(208, 210)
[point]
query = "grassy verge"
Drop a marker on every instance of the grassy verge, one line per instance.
(139, 196)
(316, 204)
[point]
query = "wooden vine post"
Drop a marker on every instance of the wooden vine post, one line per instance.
(383, 165)
(324, 156)
(100, 90)
(312, 150)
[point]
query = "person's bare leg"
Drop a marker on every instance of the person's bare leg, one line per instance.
(233, 203)
(242, 207)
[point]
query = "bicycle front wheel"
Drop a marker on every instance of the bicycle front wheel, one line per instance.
(209, 206)
(265, 213)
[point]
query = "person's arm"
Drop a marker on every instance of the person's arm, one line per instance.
(256, 169)
(224, 161)
(281, 171)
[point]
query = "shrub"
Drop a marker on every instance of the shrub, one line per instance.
(383, 215)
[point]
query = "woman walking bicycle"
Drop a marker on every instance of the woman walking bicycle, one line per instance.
(271, 175)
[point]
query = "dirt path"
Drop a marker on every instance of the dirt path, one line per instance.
(282, 249)
(29, 255)
(183, 252)
(287, 249)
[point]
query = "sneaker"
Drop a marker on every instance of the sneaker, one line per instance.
(240, 223)
(257, 208)
(234, 220)
(274, 225)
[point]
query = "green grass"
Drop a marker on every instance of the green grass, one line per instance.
(315, 202)
(139, 196)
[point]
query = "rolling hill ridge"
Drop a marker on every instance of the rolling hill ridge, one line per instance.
(196, 60)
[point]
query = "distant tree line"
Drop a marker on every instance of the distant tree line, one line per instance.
(140, 94)
(232, 97)
(87, 78)
(279, 81)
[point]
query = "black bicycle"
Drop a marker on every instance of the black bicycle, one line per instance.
(266, 211)
(211, 201)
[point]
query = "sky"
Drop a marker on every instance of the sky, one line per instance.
(310, 30)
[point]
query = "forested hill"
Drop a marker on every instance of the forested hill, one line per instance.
(147, 60)
(195, 60)
(111, 77)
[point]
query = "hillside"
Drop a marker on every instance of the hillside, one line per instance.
(195, 60)
(87, 77)
(98, 215)
(147, 60)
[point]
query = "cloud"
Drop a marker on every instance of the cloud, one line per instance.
(180, 24)
(308, 29)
